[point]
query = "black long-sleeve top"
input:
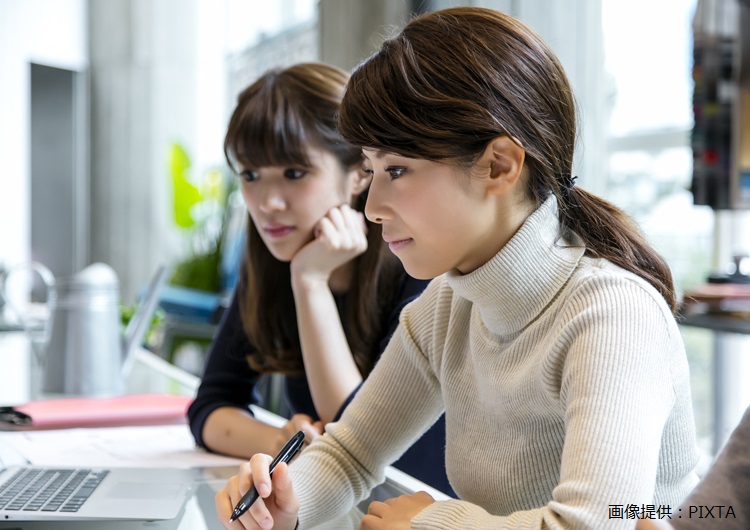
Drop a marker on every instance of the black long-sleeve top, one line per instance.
(228, 381)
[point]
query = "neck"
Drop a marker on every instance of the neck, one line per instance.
(505, 221)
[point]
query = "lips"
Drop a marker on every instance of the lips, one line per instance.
(397, 244)
(277, 230)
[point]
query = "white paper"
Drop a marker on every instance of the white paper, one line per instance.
(152, 446)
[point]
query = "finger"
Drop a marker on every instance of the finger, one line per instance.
(353, 226)
(243, 480)
(224, 505)
(337, 216)
(300, 420)
(359, 230)
(285, 497)
(310, 431)
(377, 508)
(257, 516)
(338, 219)
(328, 233)
(259, 464)
(422, 496)
(369, 522)
(354, 221)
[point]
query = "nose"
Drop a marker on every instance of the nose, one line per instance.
(375, 209)
(271, 199)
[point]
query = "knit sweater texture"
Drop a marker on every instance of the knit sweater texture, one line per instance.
(565, 387)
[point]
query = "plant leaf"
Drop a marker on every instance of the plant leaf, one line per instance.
(186, 195)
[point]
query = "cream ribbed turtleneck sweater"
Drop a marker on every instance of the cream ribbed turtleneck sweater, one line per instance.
(565, 387)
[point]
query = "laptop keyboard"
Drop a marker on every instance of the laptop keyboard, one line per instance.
(49, 490)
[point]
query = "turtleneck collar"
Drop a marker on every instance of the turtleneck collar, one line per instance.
(513, 287)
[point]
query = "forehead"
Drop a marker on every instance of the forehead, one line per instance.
(378, 154)
(372, 153)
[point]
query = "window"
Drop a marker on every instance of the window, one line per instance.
(648, 61)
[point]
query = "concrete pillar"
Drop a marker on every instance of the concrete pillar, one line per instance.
(351, 31)
(143, 83)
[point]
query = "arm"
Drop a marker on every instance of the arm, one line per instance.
(331, 371)
(623, 392)
(395, 405)
(409, 290)
(339, 469)
(219, 417)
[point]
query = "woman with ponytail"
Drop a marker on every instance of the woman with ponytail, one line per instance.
(319, 294)
(548, 336)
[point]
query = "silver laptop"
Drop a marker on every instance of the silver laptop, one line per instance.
(140, 322)
(36, 493)
(46, 493)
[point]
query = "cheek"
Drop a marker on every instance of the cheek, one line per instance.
(245, 196)
(436, 218)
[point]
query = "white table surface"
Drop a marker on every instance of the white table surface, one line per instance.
(152, 374)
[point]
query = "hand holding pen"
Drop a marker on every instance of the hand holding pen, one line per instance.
(281, 507)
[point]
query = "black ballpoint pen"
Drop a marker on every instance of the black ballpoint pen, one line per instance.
(286, 454)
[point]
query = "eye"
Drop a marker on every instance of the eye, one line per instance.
(294, 174)
(395, 171)
(367, 171)
(249, 176)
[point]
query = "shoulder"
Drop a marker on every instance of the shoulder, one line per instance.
(600, 286)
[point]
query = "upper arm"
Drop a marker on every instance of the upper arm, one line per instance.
(617, 389)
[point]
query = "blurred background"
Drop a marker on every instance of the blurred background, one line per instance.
(113, 112)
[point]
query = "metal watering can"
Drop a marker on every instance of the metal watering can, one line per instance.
(85, 355)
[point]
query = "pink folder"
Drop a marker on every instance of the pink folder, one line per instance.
(134, 409)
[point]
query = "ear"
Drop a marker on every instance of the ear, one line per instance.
(503, 157)
(358, 181)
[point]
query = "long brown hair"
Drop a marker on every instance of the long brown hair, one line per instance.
(453, 80)
(276, 119)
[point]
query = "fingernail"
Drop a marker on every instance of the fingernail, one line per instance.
(264, 490)
(266, 523)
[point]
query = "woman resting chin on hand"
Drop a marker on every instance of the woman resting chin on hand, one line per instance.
(319, 293)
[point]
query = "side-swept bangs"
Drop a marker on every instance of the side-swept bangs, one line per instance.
(284, 113)
(393, 104)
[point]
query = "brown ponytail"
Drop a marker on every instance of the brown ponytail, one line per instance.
(453, 80)
(610, 233)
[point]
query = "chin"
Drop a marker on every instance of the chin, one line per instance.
(284, 257)
(421, 272)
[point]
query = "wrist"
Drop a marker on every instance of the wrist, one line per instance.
(309, 282)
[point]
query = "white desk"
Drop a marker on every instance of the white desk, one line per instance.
(153, 374)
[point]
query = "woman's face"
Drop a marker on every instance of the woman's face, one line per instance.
(286, 202)
(435, 217)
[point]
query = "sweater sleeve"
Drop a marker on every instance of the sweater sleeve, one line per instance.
(339, 469)
(228, 380)
(619, 369)
(410, 289)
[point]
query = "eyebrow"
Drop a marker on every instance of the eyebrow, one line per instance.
(378, 153)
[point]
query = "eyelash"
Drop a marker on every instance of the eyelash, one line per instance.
(291, 174)
(249, 176)
(399, 171)
(297, 173)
